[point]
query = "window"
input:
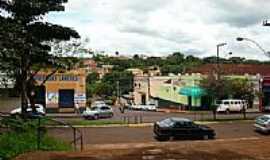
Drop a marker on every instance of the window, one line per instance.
(105, 108)
(226, 103)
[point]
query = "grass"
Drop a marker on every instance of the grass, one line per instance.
(93, 122)
(22, 138)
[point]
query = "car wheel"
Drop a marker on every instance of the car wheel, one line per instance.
(96, 117)
(111, 115)
(227, 111)
(162, 138)
(206, 137)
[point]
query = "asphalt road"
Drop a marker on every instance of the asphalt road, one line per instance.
(112, 135)
(147, 116)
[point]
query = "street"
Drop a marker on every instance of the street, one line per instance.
(132, 116)
(148, 116)
(113, 135)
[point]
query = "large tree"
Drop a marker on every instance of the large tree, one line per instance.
(25, 39)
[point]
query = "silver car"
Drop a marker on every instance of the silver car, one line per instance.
(97, 112)
(262, 124)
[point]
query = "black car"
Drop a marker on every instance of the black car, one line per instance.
(181, 128)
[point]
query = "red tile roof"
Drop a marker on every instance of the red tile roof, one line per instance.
(234, 69)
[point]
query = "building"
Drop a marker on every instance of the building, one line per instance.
(183, 91)
(62, 90)
(89, 65)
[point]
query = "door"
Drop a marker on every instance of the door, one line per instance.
(40, 97)
(66, 98)
(104, 111)
(143, 99)
(181, 130)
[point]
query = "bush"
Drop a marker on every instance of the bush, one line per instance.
(23, 138)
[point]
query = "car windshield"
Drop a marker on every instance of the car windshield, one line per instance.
(263, 118)
(167, 121)
(105, 108)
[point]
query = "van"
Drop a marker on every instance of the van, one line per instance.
(232, 105)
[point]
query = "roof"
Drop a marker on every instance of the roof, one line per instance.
(233, 69)
(193, 91)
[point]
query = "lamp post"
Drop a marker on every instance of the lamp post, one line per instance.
(267, 53)
(218, 67)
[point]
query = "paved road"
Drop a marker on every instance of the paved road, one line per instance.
(149, 117)
(156, 116)
(144, 134)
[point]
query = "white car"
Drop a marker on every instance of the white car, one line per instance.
(232, 105)
(262, 124)
(40, 110)
(97, 112)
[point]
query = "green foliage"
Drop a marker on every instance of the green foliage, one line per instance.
(92, 78)
(108, 86)
(25, 41)
(23, 138)
(223, 88)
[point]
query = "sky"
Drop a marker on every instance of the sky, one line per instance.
(161, 27)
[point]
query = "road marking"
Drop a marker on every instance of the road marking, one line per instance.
(238, 139)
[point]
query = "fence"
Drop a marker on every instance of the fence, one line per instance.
(77, 138)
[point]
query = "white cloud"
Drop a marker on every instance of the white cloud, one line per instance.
(161, 27)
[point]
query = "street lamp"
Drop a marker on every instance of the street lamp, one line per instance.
(254, 42)
(218, 46)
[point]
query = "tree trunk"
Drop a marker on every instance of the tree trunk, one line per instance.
(214, 114)
(24, 93)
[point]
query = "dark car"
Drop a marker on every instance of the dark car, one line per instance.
(181, 128)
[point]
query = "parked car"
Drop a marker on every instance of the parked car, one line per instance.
(262, 124)
(39, 107)
(232, 105)
(181, 128)
(97, 112)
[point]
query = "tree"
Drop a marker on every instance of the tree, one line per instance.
(23, 34)
(92, 78)
(216, 89)
(242, 89)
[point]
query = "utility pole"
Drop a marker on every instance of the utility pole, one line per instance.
(118, 91)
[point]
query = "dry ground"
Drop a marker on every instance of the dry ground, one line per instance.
(222, 149)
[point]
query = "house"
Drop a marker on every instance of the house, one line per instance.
(89, 65)
(165, 90)
(183, 91)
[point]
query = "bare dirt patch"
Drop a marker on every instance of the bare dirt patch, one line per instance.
(249, 149)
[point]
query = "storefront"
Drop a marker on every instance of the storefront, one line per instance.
(62, 90)
(265, 97)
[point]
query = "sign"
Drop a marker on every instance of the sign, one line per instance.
(52, 98)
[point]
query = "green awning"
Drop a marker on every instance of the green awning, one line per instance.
(194, 91)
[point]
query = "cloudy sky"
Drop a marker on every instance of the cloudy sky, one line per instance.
(160, 27)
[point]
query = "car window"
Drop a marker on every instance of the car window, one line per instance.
(167, 121)
(105, 108)
(263, 118)
(225, 102)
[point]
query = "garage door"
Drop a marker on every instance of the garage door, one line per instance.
(66, 98)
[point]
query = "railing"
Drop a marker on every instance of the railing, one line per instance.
(77, 134)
